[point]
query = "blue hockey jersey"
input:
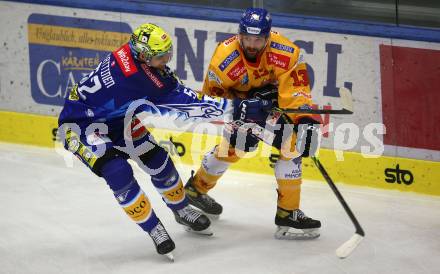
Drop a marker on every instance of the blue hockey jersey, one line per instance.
(106, 94)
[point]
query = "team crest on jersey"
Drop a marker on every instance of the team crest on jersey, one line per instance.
(231, 57)
(125, 61)
(282, 47)
(278, 60)
(214, 77)
(236, 71)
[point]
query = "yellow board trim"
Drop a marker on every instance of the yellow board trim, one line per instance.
(24, 128)
(354, 170)
(76, 37)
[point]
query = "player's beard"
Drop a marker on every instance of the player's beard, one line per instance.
(251, 53)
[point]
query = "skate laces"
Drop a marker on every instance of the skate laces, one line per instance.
(159, 234)
(206, 198)
(189, 214)
(299, 214)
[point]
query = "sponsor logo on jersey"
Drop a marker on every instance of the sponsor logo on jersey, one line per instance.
(230, 40)
(282, 47)
(231, 57)
(302, 94)
(278, 60)
(213, 77)
(237, 71)
(156, 81)
(295, 172)
(125, 61)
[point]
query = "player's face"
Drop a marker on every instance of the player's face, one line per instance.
(161, 60)
(252, 44)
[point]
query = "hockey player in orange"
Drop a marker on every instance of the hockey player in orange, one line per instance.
(263, 64)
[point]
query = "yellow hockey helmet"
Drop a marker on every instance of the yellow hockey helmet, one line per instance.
(150, 40)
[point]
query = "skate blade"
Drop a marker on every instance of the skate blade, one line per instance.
(169, 256)
(206, 232)
(289, 233)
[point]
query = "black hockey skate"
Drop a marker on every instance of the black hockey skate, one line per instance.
(193, 220)
(162, 240)
(202, 201)
(295, 225)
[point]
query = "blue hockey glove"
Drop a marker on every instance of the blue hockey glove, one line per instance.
(251, 110)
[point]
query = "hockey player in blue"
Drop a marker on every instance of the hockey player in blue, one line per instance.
(99, 124)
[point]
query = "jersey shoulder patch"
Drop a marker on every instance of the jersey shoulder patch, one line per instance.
(125, 60)
(230, 40)
(282, 44)
(281, 47)
(228, 59)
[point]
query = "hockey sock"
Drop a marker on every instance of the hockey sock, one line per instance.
(288, 175)
(214, 165)
(166, 179)
(119, 176)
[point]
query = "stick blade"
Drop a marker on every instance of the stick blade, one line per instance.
(346, 99)
(347, 248)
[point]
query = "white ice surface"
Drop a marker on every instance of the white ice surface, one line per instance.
(56, 219)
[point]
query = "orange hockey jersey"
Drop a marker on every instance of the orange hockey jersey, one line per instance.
(230, 75)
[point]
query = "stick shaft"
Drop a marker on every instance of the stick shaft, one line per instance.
(314, 111)
(341, 199)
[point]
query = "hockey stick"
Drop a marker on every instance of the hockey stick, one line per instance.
(347, 106)
(346, 248)
(314, 111)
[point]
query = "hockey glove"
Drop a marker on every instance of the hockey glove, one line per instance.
(307, 136)
(251, 110)
(267, 92)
